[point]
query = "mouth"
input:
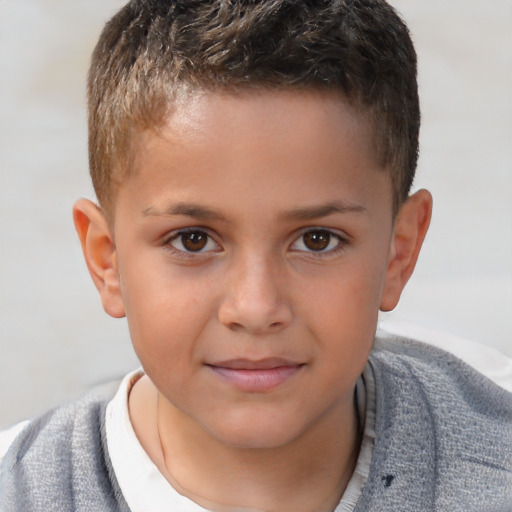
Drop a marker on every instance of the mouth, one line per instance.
(256, 375)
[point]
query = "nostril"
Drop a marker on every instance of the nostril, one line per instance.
(238, 327)
(234, 326)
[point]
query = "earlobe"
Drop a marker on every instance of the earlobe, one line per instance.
(410, 229)
(100, 254)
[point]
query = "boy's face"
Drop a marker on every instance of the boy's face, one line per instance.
(252, 243)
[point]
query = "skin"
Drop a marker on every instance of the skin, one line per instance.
(294, 251)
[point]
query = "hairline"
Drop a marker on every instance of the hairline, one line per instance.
(184, 92)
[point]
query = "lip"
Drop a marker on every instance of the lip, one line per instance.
(256, 375)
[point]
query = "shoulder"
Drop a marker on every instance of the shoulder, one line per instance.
(66, 449)
(58, 426)
(48, 437)
(73, 412)
(485, 359)
(8, 436)
(443, 375)
(443, 431)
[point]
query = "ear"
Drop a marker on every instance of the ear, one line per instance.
(100, 254)
(410, 228)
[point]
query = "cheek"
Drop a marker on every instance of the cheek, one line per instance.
(166, 315)
(350, 295)
(344, 311)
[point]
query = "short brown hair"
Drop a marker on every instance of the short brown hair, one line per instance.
(152, 49)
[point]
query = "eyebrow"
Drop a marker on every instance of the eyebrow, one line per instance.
(204, 213)
(323, 210)
(188, 209)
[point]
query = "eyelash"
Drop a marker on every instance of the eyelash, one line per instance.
(322, 253)
(342, 243)
(184, 252)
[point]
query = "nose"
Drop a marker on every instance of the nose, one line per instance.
(255, 298)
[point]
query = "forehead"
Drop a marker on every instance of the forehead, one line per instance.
(319, 117)
(315, 113)
(290, 142)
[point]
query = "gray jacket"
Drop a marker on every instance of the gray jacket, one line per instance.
(443, 443)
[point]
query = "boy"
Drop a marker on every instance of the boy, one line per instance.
(253, 162)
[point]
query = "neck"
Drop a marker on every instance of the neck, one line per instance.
(309, 473)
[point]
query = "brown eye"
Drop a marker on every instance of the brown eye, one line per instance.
(320, 242)
(194, 240)
(317, 240)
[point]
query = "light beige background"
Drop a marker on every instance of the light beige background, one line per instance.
(55, 340)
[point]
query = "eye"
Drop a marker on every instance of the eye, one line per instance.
(319, 241)
(193, 241)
